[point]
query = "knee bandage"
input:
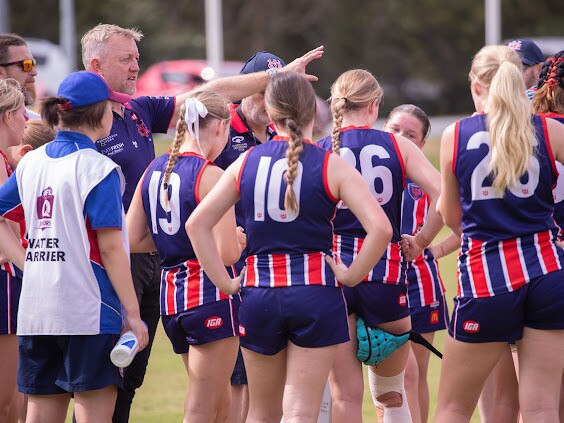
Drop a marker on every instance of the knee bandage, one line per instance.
(380, 385)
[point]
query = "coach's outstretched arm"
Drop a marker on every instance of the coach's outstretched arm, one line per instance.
(237, 87)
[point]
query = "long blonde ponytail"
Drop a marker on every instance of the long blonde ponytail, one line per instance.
(497, 69)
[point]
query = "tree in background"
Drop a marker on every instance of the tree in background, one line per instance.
(419, 49)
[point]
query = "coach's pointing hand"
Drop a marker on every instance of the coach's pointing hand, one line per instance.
(299, 65)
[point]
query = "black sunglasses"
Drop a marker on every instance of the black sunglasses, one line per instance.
(26, 65)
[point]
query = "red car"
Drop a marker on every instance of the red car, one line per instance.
(175, 77)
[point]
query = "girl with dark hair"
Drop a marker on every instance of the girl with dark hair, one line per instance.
(425, 290)
(77, 292)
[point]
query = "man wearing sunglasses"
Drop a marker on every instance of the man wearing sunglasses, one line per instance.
(16, 61)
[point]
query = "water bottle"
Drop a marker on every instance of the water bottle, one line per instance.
(123, 353)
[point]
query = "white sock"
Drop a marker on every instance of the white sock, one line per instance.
(380, 385)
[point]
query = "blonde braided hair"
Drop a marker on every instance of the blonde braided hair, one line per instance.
(181, 128)
(353, 90)
(217, 109)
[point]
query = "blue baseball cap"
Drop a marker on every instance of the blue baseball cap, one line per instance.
(84, 88)
(527, 50)
(262, 61)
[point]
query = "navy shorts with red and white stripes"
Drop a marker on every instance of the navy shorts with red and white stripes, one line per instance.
(430, 318)
(10, 290)
(377, 302)
(309, 316)
(501, 318)
(200, 325)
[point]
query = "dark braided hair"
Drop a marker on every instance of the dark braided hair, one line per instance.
(549, 97)
(552, 71)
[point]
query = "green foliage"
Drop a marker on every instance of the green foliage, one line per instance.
(426, 42)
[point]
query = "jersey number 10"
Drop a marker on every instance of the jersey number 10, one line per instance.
(271, 199)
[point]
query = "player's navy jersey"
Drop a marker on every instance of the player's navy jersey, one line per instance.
(558, 191)
(424, 284)
(508, 237)
(376, 155)
(184, 284)
(130, 143)
(287, 248)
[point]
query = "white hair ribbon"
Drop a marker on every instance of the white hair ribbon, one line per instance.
(194, 111)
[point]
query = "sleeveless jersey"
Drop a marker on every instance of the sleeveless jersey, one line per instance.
(424, 284)
(184, 285)
(286, 248)
(558, 191)
(376, 155)
(508, 237)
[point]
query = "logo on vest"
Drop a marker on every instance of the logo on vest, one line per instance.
(471, 326)
(242, 330)
(45, 208)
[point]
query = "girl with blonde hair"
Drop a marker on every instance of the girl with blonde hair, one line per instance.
(293, 314)
(196, 315)
(385, 161)
(497, 171)
(12, 124)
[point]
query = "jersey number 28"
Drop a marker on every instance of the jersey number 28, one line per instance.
(482, 171)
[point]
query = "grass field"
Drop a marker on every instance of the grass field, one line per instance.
(160, 400)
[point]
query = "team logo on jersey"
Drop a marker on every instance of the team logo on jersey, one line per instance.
(402, 300)
(141, 127)
(273, 63)
(242, 330)
(471, 326)
(45, 208)
(434, 317)
(414, 191)
(214, 322)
